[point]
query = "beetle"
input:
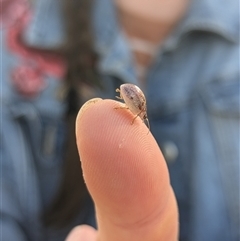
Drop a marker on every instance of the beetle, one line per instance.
(135, 101)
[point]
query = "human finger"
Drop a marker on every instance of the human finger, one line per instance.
(126, 175)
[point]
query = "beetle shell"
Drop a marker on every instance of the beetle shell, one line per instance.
(134, 99)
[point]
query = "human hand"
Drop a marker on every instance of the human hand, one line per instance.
(126, 175)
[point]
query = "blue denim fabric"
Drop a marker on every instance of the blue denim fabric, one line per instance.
(32, 138)
(192, 91)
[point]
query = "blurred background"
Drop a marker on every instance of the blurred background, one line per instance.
(57, 54)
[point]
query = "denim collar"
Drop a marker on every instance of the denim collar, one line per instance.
(217, 16)
(46, 29)
(214, 16)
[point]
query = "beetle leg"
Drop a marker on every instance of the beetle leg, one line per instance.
(145, 121)
(119, 97)
(121, 107)
(136, 117)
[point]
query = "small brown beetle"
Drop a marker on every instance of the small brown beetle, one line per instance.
(135, 101)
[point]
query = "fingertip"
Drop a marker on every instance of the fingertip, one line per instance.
(107, 116)
(85, 107)
(121, 162)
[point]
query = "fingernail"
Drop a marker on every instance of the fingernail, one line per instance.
(87, 104)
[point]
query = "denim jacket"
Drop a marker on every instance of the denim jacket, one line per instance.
(192, 92)
(32, 127)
